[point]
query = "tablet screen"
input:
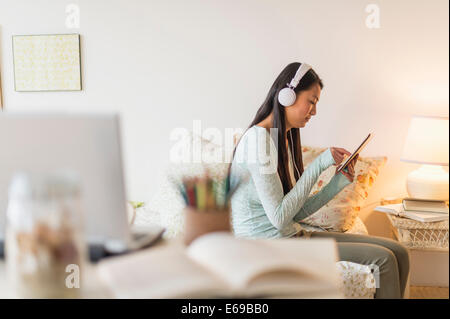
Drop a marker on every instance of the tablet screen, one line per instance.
(358, 150)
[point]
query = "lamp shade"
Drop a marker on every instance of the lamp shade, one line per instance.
(427, 141)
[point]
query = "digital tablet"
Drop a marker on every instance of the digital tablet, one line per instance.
(358, 150)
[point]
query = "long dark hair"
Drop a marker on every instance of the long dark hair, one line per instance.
(270, 105)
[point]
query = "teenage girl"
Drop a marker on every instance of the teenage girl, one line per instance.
(273, 202)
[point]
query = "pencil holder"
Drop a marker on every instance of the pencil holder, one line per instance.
(200, 222)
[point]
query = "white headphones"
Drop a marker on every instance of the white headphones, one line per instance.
(287, 96)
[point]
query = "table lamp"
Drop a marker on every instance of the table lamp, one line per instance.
(427, 144)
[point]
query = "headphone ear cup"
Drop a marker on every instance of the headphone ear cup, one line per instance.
(287, 97)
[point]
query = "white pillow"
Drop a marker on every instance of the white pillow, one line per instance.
(167, 201)
(340, 213)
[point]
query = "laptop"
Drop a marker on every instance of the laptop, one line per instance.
(88, 145)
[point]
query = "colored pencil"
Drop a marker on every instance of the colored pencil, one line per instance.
(190, 193)
(200, 188)
(207, 193)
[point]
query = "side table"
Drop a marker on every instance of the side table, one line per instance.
(428, 246)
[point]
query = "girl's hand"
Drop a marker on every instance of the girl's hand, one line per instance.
(349, 171)
(338, 154)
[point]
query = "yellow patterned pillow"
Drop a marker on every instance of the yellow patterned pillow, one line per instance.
(340, 213)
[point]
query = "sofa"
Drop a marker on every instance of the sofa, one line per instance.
(165, 207)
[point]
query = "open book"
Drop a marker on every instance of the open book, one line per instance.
(219, 265)
(398, 210)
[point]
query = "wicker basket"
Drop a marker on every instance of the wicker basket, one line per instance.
(418, 235)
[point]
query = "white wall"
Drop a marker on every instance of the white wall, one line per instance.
(164, 63)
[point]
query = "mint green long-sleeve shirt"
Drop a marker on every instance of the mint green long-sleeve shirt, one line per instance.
(259, 207)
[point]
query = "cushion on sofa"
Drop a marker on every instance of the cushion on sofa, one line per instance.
(341, 212)
(195, 156)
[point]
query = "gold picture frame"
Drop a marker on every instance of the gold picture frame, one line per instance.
(47, 62)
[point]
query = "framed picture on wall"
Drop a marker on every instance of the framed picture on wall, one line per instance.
(47, 62)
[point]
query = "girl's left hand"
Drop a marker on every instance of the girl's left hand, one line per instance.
(349, 172)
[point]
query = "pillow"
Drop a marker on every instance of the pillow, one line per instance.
(358, 228)
(167, 202)
(341, 212)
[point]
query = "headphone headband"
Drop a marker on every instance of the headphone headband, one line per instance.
(302, 70)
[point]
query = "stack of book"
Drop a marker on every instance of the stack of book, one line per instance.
(418, 209)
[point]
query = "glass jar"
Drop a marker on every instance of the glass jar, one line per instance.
(44, 247)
